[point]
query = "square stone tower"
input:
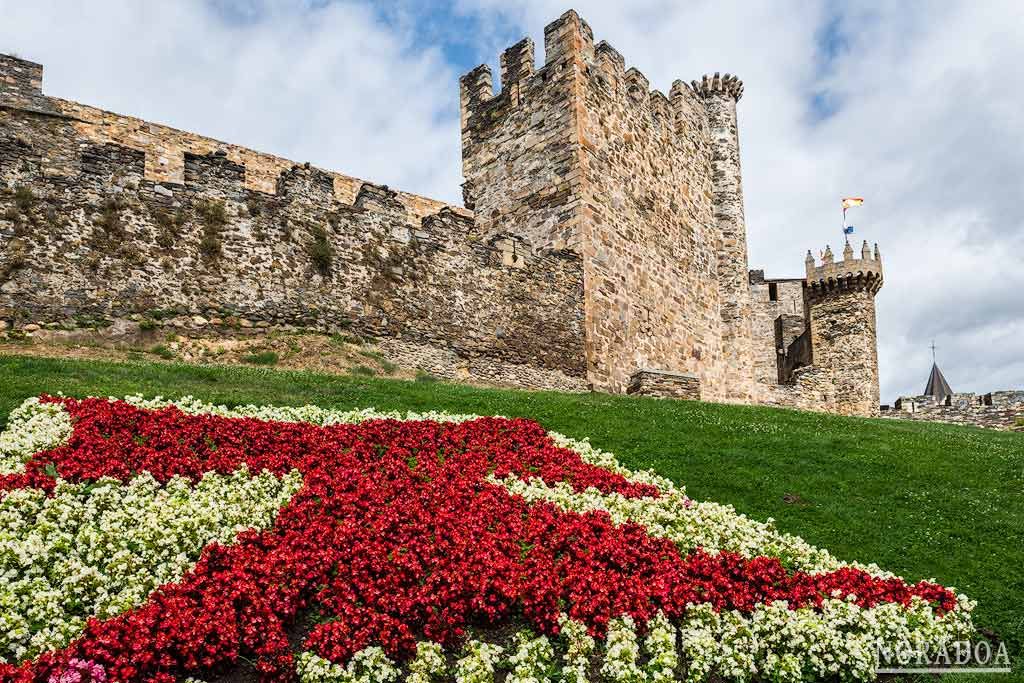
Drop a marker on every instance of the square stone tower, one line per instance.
(581, 155)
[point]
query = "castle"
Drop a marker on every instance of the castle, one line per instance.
(602, 245)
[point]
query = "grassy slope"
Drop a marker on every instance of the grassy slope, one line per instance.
(926, 501)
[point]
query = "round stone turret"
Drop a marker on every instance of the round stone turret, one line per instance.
(719, 95)
(841, 303)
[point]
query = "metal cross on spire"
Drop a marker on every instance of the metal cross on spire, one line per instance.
(933, 350)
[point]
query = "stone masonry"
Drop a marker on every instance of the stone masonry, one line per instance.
(995, 410)
(581, 155)
(602, 244)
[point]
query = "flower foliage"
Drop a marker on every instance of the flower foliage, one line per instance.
(154, 552)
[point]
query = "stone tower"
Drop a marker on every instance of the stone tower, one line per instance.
(720, 95)
(582, 155)
(841, 303)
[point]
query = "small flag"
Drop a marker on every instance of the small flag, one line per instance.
(848, 230)
(852, 201)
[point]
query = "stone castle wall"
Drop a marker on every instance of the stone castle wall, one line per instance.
(996, 410)
(650, 236)
(88, 231)
(164, 147)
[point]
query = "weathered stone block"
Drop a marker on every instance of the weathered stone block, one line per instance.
(664, 384)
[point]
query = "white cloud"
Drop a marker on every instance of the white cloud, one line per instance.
(928, 127)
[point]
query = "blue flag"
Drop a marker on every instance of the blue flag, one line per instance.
(848, 230)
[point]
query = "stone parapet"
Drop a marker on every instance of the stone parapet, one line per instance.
(87, 233)
(164, 149)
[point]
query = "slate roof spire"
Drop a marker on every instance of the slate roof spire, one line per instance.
(937, 385)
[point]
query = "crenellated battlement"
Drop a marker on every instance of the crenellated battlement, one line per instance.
(308, 181)
(637, 85)
(21, 85)
(214, 174)
(610, 60)
(567, 41)
(570, 53)
(516, 67)
(717, 84)
(19, 78)
(381, 198)
(568, 38)
(661, 106)
(849, 274)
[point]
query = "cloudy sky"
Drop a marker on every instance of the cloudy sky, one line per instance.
(916, 106)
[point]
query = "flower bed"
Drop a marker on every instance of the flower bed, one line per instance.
(152, 541)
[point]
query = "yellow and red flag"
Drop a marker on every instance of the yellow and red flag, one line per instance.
(849, 202)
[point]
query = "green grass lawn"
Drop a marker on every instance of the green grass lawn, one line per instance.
(923, 500)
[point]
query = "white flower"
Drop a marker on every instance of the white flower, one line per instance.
(578, 646)
(660, 644)
(32, 427)
(369, 665)
(478, 662)
(532, 659)
(622, 653)
(428, 664)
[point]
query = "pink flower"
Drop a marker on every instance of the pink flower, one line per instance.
(79, 671)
